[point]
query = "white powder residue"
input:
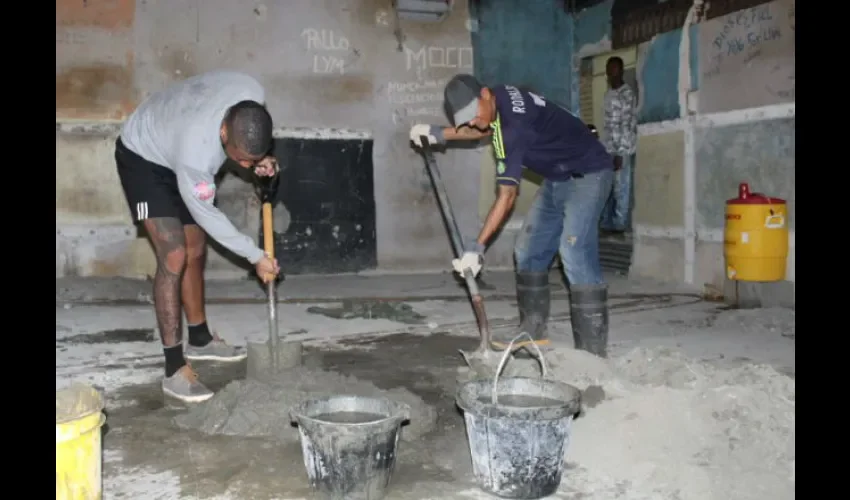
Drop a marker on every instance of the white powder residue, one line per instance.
(671, 427)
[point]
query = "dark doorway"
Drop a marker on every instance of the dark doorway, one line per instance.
(327, 187)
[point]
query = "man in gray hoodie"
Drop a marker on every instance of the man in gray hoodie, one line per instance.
(168, 154)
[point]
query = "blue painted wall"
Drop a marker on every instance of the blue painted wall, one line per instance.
(591, 27)
(660, 76)
(532, 42)
(593, 24)
(524, 42)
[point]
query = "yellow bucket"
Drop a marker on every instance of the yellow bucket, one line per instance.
(79, 417)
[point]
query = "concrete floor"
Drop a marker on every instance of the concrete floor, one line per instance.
(105, 337)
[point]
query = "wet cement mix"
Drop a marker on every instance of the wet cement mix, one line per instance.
(656, 424)
(261, 409)
(350, 309)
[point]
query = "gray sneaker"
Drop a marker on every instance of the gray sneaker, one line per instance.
(216, 350)
(184, 385)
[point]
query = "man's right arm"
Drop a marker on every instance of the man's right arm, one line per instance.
(509, 151)
(464, 134)
(196, 189)
(440, 135)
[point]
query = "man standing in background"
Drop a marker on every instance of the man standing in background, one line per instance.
(620, 141)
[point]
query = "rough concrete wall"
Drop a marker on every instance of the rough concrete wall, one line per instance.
(659, 258)
(659, 180)
(332, 64)
(658, 205)
(94, 235)
(760, 153)
(84, 166)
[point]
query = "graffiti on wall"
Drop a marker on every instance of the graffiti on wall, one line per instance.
(419, 97)
(329, 51)
(428, 57)
(752, 51)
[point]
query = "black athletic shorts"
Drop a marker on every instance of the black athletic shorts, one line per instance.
(151, 189)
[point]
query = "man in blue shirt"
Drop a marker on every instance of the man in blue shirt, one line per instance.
(530, 132)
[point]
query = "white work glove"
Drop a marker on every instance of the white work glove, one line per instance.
(472, 259)
(433, 133)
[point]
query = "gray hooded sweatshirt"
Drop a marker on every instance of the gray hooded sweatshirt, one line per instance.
(178, 128)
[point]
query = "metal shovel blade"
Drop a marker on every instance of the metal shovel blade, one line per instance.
(483, 361)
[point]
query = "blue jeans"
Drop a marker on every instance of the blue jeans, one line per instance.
(564, 218)
(617, 215)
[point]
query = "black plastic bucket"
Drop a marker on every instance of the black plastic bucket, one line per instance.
(518, 444)
(349, 444)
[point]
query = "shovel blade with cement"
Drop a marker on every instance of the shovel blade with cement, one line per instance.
(266, 358)
(483, 361)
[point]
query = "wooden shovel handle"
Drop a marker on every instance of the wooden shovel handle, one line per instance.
(268, 231)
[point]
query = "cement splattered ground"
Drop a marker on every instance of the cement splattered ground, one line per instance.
(146, 456)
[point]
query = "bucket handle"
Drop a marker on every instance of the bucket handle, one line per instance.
(774, 225)
(494, 396)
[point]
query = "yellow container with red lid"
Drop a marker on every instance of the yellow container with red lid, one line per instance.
(755, 242)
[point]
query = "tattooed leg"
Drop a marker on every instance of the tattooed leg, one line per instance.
(193, 278)
(166, 234)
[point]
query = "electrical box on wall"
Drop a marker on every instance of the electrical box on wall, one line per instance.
(423, 10)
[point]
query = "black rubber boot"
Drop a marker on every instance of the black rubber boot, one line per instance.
(532, 292)
(589, 318)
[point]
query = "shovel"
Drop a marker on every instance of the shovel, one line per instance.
(267, 193)
(483, 360)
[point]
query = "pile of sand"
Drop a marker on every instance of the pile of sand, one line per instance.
(670, 427)
(261, 409)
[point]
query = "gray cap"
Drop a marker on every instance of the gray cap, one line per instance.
(462, 95)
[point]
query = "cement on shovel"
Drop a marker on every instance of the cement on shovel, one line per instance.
(260, 366)
(484, 362)
(255, 408)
